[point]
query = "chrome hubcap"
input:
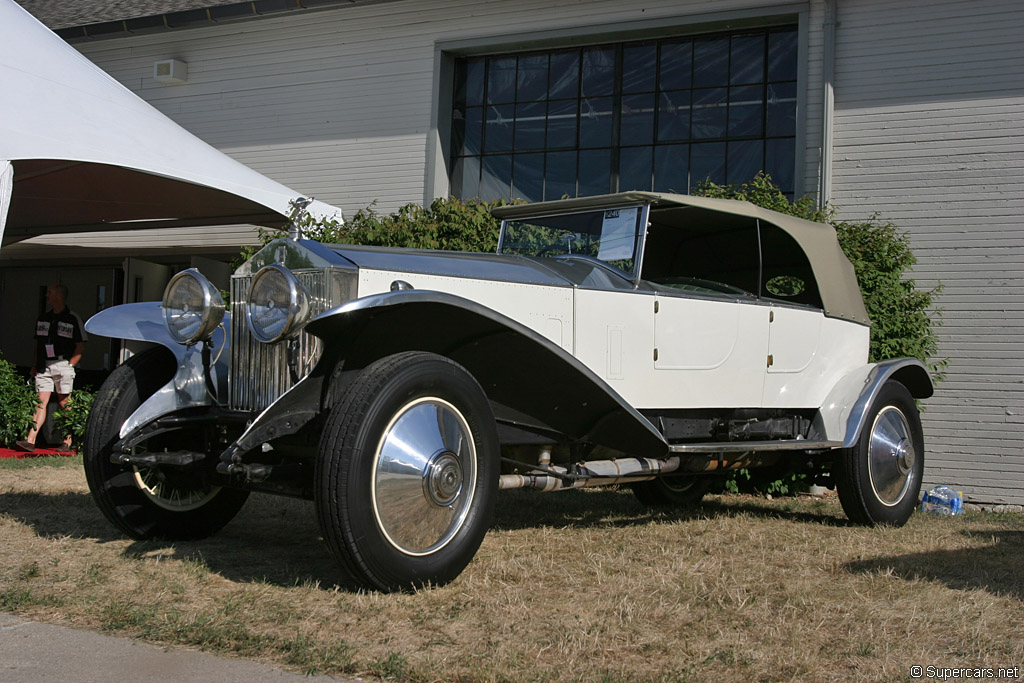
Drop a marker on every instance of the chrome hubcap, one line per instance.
(891, 456)
(443, 479)
(424, 476)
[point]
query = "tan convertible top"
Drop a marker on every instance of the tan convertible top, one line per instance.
(834, 273)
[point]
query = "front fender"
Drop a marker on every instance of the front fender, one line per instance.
(522, 372)
(843, 413)
(135, 322)
(188, 388)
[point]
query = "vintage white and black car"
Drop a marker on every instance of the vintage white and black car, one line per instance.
(653, 340)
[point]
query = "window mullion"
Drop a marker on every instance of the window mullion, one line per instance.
(615, 155)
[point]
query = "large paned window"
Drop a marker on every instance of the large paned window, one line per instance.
(656, 115)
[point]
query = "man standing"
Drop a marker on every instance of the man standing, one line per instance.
(60, 341)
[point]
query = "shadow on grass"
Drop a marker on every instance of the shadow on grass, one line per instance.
(994, 568)
(59, 515)
(611, 507)
(277, 540)
(272, 539)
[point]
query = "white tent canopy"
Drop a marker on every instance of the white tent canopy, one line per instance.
(79, 152)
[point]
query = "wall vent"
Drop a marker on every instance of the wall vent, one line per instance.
(171, 71)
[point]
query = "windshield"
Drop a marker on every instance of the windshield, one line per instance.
(609, 236)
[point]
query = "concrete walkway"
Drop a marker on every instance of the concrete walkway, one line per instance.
(31, 652)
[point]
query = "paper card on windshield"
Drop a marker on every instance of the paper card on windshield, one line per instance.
(618, 232)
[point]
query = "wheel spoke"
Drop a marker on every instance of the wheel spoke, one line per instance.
(171, 496)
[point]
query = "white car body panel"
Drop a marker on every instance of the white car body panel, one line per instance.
(544, 309)
(710, 353)
(615, 339)
(839, 403)
(811, 353)
(794, 336)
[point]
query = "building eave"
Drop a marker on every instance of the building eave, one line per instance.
(197, 16)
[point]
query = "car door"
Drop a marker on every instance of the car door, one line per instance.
(709, 352)
(710, 328)
(808, 352)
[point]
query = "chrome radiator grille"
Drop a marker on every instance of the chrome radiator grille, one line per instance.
(262, 372)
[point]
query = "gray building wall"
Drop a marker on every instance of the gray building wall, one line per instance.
(929, 133)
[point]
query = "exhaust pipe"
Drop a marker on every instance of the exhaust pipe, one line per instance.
(548, 477)
(587, 474)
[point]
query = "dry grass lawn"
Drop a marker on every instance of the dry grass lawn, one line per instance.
(577, 586)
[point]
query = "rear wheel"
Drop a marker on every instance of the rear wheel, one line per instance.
(879, 479)
(167, 502)
(671, 491)
(407, 472)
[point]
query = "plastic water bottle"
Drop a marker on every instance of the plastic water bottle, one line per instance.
(943, 500)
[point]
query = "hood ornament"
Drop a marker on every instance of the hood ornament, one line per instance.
(298, 205)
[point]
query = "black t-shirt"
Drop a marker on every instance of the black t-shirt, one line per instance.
(62, 331)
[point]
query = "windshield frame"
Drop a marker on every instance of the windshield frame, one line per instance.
(640, 236)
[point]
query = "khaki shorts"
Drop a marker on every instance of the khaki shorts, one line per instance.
(59, 376)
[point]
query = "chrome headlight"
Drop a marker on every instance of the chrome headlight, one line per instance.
(278, 304)
(193, 308)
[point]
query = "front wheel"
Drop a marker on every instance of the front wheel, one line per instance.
(879, 479)
(167, 502)
(407, 472)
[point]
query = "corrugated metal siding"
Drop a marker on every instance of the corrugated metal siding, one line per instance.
(339, 103)
(814, 98)
(929, 133)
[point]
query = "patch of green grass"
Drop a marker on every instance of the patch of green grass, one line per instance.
(865, 649)
(195, 567)
(16, 599)
(40, 461)
(126, 616)
(309, 654)
(314, 657)
(217, 632)
(393, 666)
(29, 570)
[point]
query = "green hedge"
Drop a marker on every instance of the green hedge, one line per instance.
(72, 419)
(18, 401)
(448, 223)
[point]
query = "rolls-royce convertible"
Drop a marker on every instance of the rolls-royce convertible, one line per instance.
(650, 340)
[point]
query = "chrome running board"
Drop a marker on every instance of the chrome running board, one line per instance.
(745, 446)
